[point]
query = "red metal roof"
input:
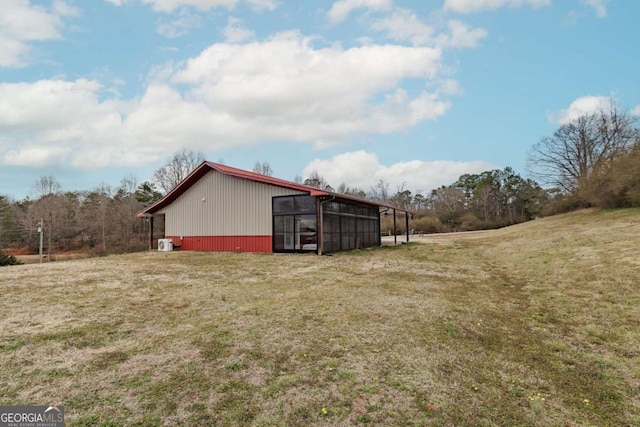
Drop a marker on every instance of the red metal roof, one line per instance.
(252, 176)
(205, 167)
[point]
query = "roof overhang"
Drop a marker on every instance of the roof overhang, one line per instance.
(383, 206)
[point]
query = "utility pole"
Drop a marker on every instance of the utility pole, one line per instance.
(41, 231)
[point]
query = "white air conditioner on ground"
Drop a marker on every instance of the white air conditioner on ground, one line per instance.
(165, 245)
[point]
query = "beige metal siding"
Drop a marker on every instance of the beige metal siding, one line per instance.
(222, 205)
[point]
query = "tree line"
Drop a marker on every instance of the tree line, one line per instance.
(491, 199)
(100, 221)
(103, 220)
(593, 160)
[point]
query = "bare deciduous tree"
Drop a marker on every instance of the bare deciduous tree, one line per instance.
(351, 191)
(46, 185)
(126, 206)
(567, 158)
(8, 221)
(47, 207)
(448, 203)
(317, 181)
(97, 225)
(181, 164)
(263, 168)
(380, 191)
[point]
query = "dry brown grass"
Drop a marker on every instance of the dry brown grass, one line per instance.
(26, 258)
(534, 325)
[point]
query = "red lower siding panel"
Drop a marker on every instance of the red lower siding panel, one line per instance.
(223, 243)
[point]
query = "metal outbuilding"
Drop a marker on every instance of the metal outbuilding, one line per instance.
(220, 208)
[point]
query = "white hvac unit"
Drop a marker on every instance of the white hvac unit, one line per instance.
(165, 245)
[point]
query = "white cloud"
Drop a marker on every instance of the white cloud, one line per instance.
(288, 68)
(636, 111)
(402, 25)
(55, 121)
(22, 23)
(342, 8)
(259, 5)
(580, 107)
(171, 5)
(287, 90)
(13, 52)
(116, 2)
(599, 6)
(363, 170)
(451, 87)
(282, 89)
(205, 5)
(461, 36)
(60, 8)
(180, 26)
(235, 31)
(471, 6)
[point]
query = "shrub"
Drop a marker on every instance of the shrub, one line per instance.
(427, 224)
(563, 204)
(470, 222)
(8, 260)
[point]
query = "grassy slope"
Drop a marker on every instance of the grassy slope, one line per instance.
(537, 324)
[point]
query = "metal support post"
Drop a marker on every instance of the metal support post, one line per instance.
(41, 232)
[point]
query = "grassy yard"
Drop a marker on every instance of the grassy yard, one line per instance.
(534, 325)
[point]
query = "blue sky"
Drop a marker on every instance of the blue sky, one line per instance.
(414, 93)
